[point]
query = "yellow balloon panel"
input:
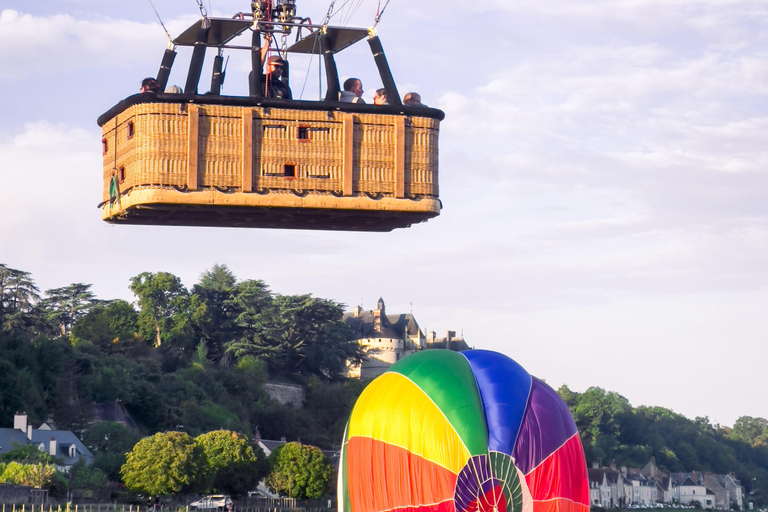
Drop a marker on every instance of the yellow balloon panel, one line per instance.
(394, 410)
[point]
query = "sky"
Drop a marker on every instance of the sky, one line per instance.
(603, 174)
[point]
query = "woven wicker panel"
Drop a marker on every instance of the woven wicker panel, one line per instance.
(421, 159)
(317, 158)
(157, 152)
(377, 154)
(220, 146)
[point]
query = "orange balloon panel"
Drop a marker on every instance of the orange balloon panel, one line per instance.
(370, 466)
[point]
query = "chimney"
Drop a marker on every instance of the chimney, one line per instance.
(358, 311)
(29, 432)
(52, 447)
(20, 421)
(449, 336)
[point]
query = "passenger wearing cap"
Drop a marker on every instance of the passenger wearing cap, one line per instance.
(276, 88)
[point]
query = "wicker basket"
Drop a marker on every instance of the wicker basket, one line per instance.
(159, 156)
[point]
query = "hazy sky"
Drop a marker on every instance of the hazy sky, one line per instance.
(603, 171)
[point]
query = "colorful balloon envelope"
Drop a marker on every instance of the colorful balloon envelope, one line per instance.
(469, 431)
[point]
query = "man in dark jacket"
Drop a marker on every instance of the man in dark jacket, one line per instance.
(276, 88)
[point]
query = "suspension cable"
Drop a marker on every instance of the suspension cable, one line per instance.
(168, 35)
(379, 13)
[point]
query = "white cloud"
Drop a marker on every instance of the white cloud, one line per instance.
(33, 45)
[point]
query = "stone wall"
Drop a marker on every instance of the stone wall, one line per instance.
(286, 394)
(11, 493)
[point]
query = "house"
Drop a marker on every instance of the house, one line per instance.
(388, 338)
(62, 444)
(689, 488)
(653, 487)
(599, 488)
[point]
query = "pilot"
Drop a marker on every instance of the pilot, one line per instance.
(276, 88)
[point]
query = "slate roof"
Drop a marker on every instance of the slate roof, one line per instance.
(400, 326)
(114, 411)
(596, 475)
(64, 439)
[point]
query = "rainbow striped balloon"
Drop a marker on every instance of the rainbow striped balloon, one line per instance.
(468, 431)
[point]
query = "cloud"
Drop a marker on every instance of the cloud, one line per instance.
(32, 45)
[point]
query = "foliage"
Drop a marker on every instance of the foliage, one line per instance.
(86, 477)
(165, 463)
(299, 471)
(113, 327)
(27, 454)
(165, 307)
(242, 335)
(34, 475)
(234, 467)
(109, 443)
(63, 306)
(753, 431)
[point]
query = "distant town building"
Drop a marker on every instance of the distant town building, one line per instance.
(650, 486)
(62, 444)
(389, 338)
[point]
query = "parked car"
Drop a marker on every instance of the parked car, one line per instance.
(219, 502)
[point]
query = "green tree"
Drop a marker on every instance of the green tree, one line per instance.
(87, 477)
(251, 311)
(63, 306)
(753, 431)
(109, 443)
(27, 454)
(300, 471)
(165, 307)
(34, 475)
(216, 323)
(165, 463)
(18, 296)
(234, 465)
(311, 338)
(113, 327)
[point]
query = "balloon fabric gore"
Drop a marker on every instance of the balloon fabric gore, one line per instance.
(469, 431)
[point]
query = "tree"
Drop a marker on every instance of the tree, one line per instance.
(109, 443)
(300, 471)
(87, 477)
(34, 475)
(216, 324)
(164, 305)
(234, 465)
(165, 463)
(113, 327)
(18, 295)
(27, 454)
(250, 307)
(753, 431)
(63, 306)
(312, 338)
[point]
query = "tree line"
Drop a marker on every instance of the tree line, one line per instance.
(612, 431)
(194, 361)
